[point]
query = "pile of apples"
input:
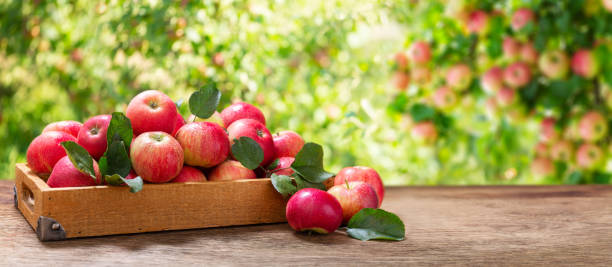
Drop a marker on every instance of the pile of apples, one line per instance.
(579, 140)
(165, 148)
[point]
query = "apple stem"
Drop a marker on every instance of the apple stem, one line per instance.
(347, 184)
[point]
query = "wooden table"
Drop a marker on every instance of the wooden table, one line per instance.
(517, 225)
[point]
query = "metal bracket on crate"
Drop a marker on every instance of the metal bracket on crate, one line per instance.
(49, 229)
(15, 196)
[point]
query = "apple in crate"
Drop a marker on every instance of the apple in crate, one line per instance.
(205, 143)
(314, 210)
(46, 149)
(354, 196)
(231, 170)
(287, 143)
(64, 174)
(239, 111)
(256, 131)
(283, 167)
(92, 135)
(70, 127)
(178, 123)
(151, 111)
(189, 174)
(363, 174)
(156, 157)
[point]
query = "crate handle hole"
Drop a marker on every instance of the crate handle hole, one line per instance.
(28, 198)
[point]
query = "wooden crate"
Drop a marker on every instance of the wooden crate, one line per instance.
(60, 213)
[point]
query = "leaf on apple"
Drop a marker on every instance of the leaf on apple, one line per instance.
(283, 184)
(302, 183)
(371, 223)
(120, 128)
(248, 152)
(135, 184)
(80, 158)
(203, 103)
(117, 159)
(309, 164)
(273, 165)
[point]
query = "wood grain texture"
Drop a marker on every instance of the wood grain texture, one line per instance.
(511, 226)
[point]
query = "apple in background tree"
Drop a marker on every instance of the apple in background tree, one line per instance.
(607, 4)
(46, 149)
(420, 75)
(548, 130)
(542, 167)
(585, 64)
(92, 135)
(521, 18)
(283, 167)
(353, 197)
(214, 118)
(287, 143)
(362, 174)
(256, 131)
(70, 127)
(189, 174)
(231, 170)
(241, 110)
(492, 107)
(419, 52)
(593, 126)
(178, 123)
(541, 150)
(205, 144)
(554, 64)
(424, 131)
(444, 97)
(401, 59)
(589, 156)
(528, 54)
(152, 111)
(478, 22)
(492, 80)
(64, 174)
(218, 59)
(459, 77)
(511, 48)
(506, 97)
(517, 74)
(400, 80)
(561, 151)
(314, 210)
(156, 157)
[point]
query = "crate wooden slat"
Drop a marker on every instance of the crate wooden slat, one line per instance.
(109, 210)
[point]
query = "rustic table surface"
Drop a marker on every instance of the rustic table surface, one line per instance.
(517, 225)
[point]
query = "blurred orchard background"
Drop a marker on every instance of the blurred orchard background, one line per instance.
(426, 92)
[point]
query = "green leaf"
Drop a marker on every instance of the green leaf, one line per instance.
(309, 164)
(273, 165)
(421, 112)
(118, 160)
(135, 184)
(248, 152)
(120, 128)
(80, 158)
(376, 224)
(302, 183)
(283, 184)
(204, 102)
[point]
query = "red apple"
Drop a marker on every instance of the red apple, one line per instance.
(178, 123)
(425, 131)
(585, 64)
(64, 174)
(218, 59)
(593, 126)
(459, 77)
(506, 97)
(401, 59)
(283, 167)
(363, 174)
(541, 150)
(517, 75)
(256, 131)
(71, 127)
(521, 18)
(92, 135)
(156, 157)
(478, 22)
(152, 111)
(205, 144)
(548, 130)
(561, 151)
(511, 48)
(241, 110)
(46, 149)
(419, 52)
(444, 97)
(400, 80)
(492, 80)
(189, 174)
(554, 64)
(528, 54)
(589, 156)
(607, 4)
(542, 167)
(314, 210)
(287, 143)
(420, 75)
(214, 118)
(231, 170)
(353, 197)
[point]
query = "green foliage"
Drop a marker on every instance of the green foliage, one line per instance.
(371, 223)
(248, 152)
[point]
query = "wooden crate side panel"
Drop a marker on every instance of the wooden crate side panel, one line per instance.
(28, 183)
(102, 210)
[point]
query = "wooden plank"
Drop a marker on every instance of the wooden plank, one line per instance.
(508, 226)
